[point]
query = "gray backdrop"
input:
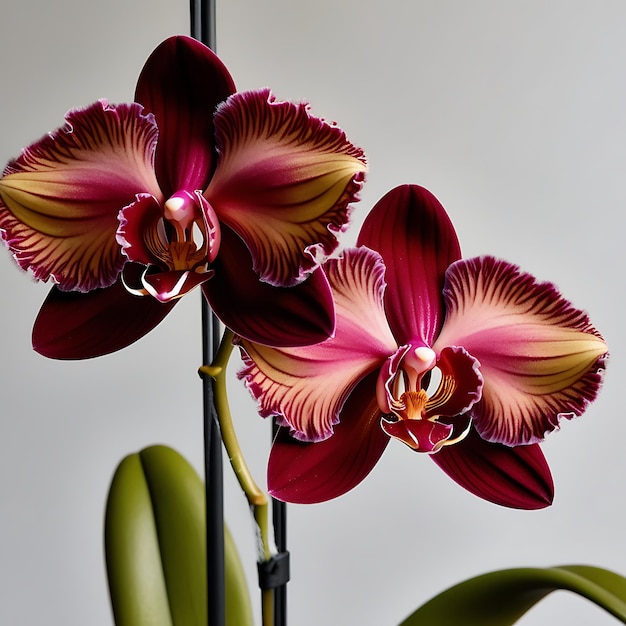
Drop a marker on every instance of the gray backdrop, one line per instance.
(512, 113)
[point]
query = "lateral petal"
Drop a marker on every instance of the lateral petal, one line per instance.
(518, 477)
(61, 197)
(278, 316)
(306, 473)
(182, 82)
(73, 325)
(307, 387)
(284, 182)
(415, 237)
(541, 359)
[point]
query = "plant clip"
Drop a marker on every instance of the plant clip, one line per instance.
(275, 572)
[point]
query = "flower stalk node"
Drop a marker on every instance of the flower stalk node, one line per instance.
(212, 371)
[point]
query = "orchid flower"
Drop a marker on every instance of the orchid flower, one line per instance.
(470, 361)
(192, 184)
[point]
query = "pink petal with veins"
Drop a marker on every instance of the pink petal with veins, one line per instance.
(284, 182)
(60, 198)
(541, 359)
(307, 387)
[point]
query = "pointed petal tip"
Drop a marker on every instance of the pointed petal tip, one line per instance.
(76, 326)
(412, 232)
(517, 478)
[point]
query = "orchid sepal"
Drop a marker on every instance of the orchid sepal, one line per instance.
(307, 473)
(182, 83)
(73, 325)
(516, 477)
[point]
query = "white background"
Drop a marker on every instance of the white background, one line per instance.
(512, 113)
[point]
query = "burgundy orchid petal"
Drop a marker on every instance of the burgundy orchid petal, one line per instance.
(284, 183)
(541, 359)
(59, 200)
(73, 325)
(414, 235)
(518, 477)
(182, 83)
(306, 473)
(278, 316)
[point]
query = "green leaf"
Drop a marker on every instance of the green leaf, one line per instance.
(155, 545)
(501, 598)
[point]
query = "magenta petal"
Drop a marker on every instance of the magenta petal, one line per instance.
(182, 83)
(306, 473)
(414, 235)
(277, 316)
(73, 325)
(518, 477)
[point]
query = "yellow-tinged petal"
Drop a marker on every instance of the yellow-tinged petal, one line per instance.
(540, 357)
(60, 199)
(308, 386)
(284, 182)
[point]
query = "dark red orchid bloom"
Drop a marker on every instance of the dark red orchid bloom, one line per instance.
(191, 184)
(471, 361)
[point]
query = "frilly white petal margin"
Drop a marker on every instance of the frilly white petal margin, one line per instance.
(60, 198)
(540, 357)
(284, 182)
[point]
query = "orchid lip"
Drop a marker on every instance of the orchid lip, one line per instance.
(165, 286)
(412, 407)
(181, 234)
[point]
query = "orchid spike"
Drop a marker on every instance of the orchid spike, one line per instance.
(191, 183)
(471, 361)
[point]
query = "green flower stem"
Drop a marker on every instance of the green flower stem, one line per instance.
(256, 497)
